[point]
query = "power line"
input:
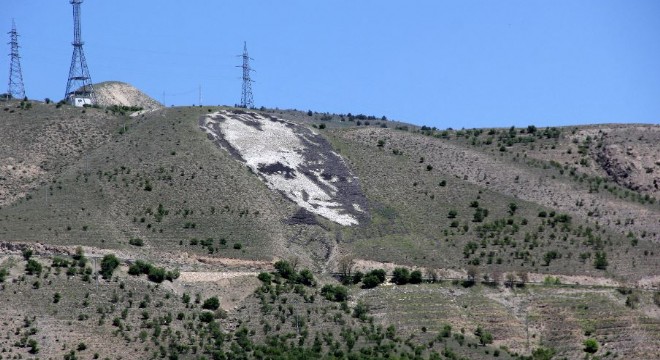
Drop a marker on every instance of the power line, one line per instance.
(16, 88)
(79, 85)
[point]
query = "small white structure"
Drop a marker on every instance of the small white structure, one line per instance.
(79, 101)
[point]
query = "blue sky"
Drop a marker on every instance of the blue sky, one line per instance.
(439, 63)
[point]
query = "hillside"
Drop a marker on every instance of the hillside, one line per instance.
(118, 93)
(542, 237)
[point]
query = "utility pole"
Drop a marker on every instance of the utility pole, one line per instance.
(247, 100)
(80, 81)
(16, 89)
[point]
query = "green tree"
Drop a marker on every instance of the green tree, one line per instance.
(157, 274)
(306, 278)
(485, 337)
(370, 281)
(415, 277)
(108, 265)
(284, 268)
(211, 303)
(401, 276)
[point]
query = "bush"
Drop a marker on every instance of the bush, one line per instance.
(206, 317)
(370, 281)
(360, 311)
(136, 242)
(58, 262)
(401, 276)
(334, 293)
(452, 214)
(27, 254)
(265, 278)
(373, 278)
(415, 277)
(484, 336)
(379, 273)
(3, 274)
(139, 267)
(601, 260)
(33, 267)
(172, 275)
(306, 278)
(157, 274)
(211, 303)
(446, 331)
(590, 346)
(108, 265)
(284, 269)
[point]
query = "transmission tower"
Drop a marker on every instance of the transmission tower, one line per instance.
(80, 82)
(246, 96)
(16, 89)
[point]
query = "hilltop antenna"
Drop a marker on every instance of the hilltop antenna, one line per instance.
(16, 89)
(79, 88)
(247, 101)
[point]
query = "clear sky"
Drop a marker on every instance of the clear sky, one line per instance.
(440, 63)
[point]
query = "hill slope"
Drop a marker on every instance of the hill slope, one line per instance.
(222, 193)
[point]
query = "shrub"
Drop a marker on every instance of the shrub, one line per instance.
(172, 275)
(452, 214)
(360, 311)
(484, 336)
(590, 346)
(157, 274)
(284, 269)
(446, 331)
(442, 183)
(370, 281)
(27, 254)
(401, 276)
(3, 274)
(373, 278)
(238, 246)
(543, 354)
(108, 265)
(334, 292)
(139, 267)
(206, 316)
(56, 298)
(265, 277)
(58, 262)
(601, 260)
(33, 267)
(415, 277)
(136, 242)
(306, 278)
(33, 345)
(379, 273)
(211, 303)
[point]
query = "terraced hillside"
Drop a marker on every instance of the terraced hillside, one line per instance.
(221, 194)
